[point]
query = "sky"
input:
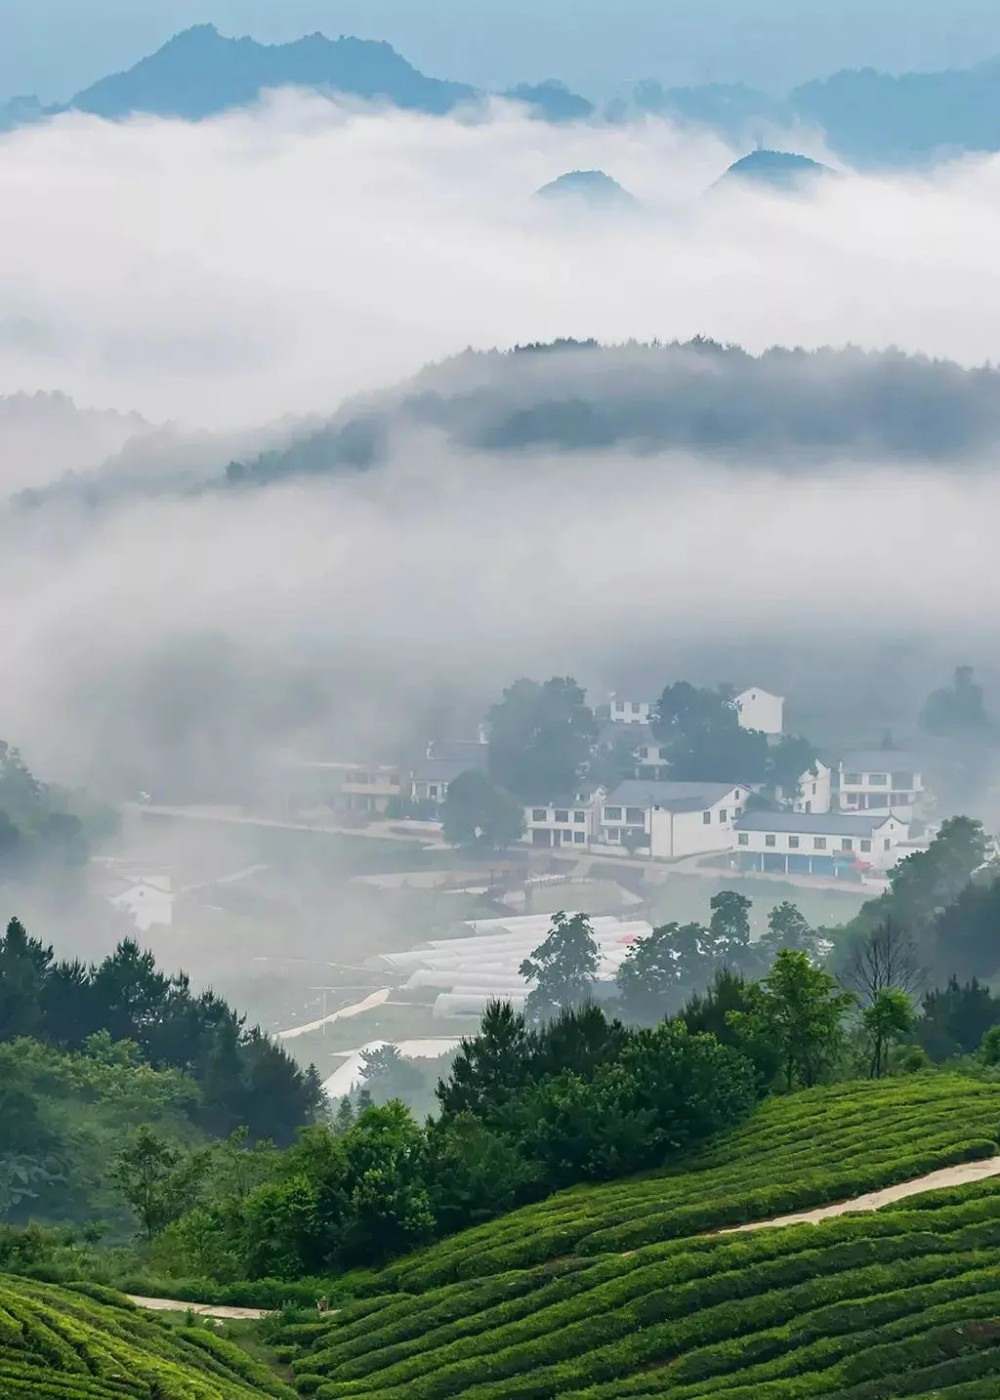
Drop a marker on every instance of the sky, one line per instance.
(268, 263)
(55, 47)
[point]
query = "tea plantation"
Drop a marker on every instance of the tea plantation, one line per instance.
(71, 1344)
(617, 1291)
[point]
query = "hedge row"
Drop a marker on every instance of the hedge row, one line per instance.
(805, 1311)
(68, 1343)
(799, 1151)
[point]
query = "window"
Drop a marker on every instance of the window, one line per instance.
(814, 790)
(793, 843)
(567, 838)
(635, 707)
(579, 837)
(432, 790)
(887, 846)
(612, 814)
(539, 814)
(561, 816)
(722, 814)
(852, 779)
(900, 799)
(847, 844)
(819, 843)
(706, 818)
(902, 780)
(878, 779)
(737, 813)
(877, 799)
(866, 846)
(619, 704)
(635, 816)
(579, 817)
(737, 794)
(770, 840)
(743, 839)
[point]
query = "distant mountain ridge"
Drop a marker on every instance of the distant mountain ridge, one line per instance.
(868, 117)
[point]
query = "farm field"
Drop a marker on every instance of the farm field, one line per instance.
(91, 1344)
(622, 1290)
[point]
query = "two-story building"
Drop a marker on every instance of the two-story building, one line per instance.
(350, 787)
(883, 780)
(629, 711)
(837, 844)
(571, 822)
(668, 820)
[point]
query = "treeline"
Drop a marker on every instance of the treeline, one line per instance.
(90, 1052)
(792, 408)
(37, 829)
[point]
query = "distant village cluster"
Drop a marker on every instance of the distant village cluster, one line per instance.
(852, 817)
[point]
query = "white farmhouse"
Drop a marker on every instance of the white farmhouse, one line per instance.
(148, 902)
(629, 711)
(569, 823)
(801, 843)
(669, 820)
(886, 780)
(813, 792)
(759, 709)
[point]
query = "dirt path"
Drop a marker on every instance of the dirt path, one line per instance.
(201, 1309)
(934, 1181)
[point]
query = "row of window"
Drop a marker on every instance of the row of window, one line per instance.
(626, 706)
(819, 843)
(878, 800)
(365, 779)
(902, 780)
(559, 816)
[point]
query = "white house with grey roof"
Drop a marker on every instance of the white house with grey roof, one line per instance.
(882, 780)
(835, 844)
(668, 820)
(431, 775)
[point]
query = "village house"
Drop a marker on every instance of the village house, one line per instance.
(668, 820)
(884, 780)
(431, 775)
(813, 792)
(568, 823)
(836, 844)
(629, 711)
(759, 709)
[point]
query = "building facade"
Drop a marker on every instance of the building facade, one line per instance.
(667, 820)
(629, 711)
(801, 843)
(558, 824)
(886, 780)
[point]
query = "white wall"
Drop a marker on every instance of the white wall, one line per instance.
(868, 796)
(561, 825)
(629, 711)
(815, 791)
(759, 709)
(677, 834)
(879, 856)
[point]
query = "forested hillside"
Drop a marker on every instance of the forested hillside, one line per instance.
(792, 407)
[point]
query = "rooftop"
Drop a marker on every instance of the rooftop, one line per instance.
(809, 824)
(882, 761)
(639, 792)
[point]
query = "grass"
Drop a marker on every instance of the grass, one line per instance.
(86, 1343)
(685, 899)
(623, 1291)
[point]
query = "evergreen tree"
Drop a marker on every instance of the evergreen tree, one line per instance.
(564, 967)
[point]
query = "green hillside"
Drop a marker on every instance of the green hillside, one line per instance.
(609, 1291)
(64, 1344)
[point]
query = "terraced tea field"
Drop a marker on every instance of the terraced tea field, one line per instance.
(617, 1291)
(65, 1344)
(803, 1150)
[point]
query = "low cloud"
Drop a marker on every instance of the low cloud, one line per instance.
(274, 260)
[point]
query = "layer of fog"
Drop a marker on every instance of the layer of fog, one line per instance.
(172, 642)
(273, 261)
